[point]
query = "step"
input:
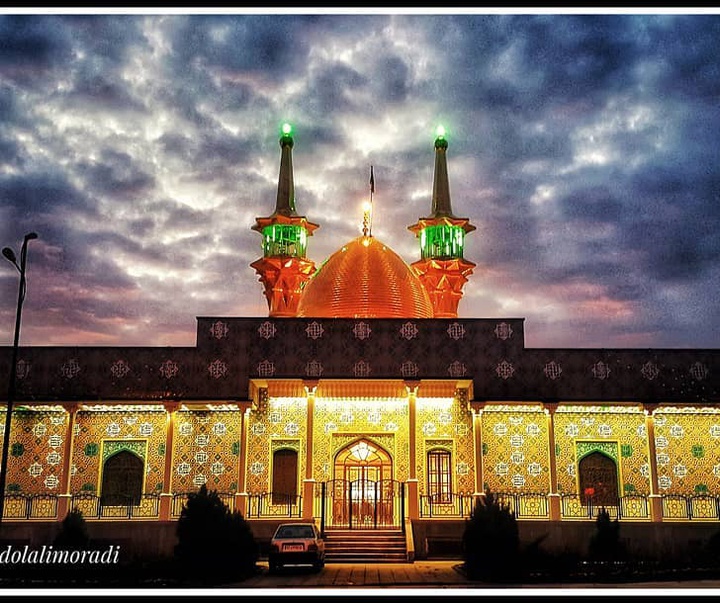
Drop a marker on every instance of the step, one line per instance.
(365, 546)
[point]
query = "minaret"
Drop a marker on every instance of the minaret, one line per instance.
(442, 268)
(284, 269)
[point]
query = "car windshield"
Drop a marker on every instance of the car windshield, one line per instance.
(295, 532)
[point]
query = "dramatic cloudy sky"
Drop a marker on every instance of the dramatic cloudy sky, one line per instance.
(142, 147)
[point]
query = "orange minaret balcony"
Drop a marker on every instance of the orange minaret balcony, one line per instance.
(283, 280)
(442, 269)
(283, 270)
(444, 281)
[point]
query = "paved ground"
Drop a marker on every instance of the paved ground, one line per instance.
(422, 575)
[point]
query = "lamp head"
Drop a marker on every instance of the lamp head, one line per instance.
(9, 254)
(31, 235)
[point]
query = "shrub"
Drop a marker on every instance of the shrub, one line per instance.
(214, 544)
(491, 541)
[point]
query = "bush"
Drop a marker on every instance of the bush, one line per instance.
(214, 544)
(491, 541)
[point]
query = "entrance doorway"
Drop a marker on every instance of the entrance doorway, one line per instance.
(363, 494)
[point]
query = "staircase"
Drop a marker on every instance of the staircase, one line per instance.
(365, 546)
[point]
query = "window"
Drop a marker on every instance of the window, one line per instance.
(439, 476)
(284, 481)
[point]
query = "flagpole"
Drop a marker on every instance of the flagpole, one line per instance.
(372, 191)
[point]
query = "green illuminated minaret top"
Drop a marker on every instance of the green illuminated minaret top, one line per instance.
(442, 234)
(285, 232)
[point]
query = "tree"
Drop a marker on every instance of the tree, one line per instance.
(213, 542)
(605, 544)
(73, 532)
(491, 541)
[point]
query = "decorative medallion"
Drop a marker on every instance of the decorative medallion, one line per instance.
(504, 370)
(362, 330)
(502, 469)
(409, 369)
(219, 429)
(217, 369)
(699, 371)
(457, 369)
(604, 430)
(169, 369)
(53, 458)
(39, 430)
(266, 368)
(503, 331)
(70, 368)
(534, 469)
(314, 330)
(183, 469)
(649, 370)
(22, 369)
(52, 482)
(314, 368)
(361, 369)
(456, 331)
(552, 370)
(185, 429)
(219, 329)
(146, 429)
(600, 370)
(55, 441)
(408, 331)
(267, 330)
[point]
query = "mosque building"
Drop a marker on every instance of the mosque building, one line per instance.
(364, 401)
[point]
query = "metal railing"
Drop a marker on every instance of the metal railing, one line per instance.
(690, 507)
(30, 506)
(267, 504)
(449, 504)
(526, 505)
(630, 506)
(92, 506)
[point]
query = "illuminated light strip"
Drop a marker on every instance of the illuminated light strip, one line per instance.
(579, 409)
(36, 408)
(692, 410)
(122, 408)
(513, 408)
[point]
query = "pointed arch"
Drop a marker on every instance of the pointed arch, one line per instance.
(122, 479)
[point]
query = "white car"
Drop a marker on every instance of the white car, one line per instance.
(296, 544)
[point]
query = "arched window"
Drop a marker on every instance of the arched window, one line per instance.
(284, 476)
(598, 480)
(122, 480)
(439, 475)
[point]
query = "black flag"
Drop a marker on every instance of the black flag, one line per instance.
(372, 181)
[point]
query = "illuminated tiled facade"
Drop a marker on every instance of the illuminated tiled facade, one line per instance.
(441, 407)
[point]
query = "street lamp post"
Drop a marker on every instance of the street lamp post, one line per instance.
(10, 256)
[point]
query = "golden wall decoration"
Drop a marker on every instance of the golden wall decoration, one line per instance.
(206, 450)
(515, 449)
(446, 419)
(337, 422)
(284, 418)
(624, 427)
(687, 447)
(92, 427)
(37, 446)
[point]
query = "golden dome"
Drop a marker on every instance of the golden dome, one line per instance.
(365, 279)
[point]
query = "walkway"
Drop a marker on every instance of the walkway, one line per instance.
(426, 575)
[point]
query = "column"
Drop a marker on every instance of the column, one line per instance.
(479, 468)
(413, 494)
(241, 496)
(656, 513)
(309, 482)
(166, 496)
(553, 495)
(65, 495)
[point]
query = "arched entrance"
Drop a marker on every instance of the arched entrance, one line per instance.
(363, 493)
(122, 480)
(598, 480)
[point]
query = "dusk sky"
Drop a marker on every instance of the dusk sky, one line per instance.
(585, 148)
